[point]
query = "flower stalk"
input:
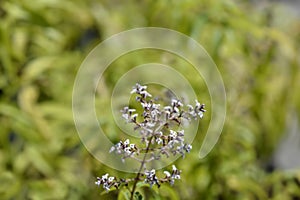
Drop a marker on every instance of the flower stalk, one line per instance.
(158, 138)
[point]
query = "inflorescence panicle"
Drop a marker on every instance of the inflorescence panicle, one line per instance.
(160, 133)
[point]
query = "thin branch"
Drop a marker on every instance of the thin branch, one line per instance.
(140, 170)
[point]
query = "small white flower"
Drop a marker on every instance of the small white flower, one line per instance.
(167, 174)
(98, 182)
(167, 108)
(188, 148)
(145, 94)
(106, 186)
(179, 103)
(190, 107)
(126, 142)
(156, 106)
(152, 172)
(133, 91)
(110, 179)
(134, 116)
(173, 134)
(197, 103)
(159, 134)
(159, 140)
(140, 87)
(176, 103)
(127, 150)
(154, 113)
(131, 110)
(179, 148)
(104, 177)
(177, 176)
(173, 102)
(119, 144)
(125, 109)
(200, 114)
(174, 168)
(176, 109)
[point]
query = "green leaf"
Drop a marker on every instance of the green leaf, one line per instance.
(142, 184)
(38, 66)
(38, 160)
(138, 196)
(169, 192)
(108, 191)
(47, 189)
(124, 194)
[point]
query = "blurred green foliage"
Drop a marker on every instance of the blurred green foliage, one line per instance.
(42, 44)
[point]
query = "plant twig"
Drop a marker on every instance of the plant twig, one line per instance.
(140, 170)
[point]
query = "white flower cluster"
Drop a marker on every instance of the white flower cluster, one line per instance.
(170, 177)
(158, 137)
(197, 110)
(173, 112)
(174, 143)
(128, 115)
(151, 178)
(125, 148)
(153, 120)
(106, 181)
(141, 90)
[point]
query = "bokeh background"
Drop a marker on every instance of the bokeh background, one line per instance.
(255, 44)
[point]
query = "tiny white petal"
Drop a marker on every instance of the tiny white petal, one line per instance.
(197, 103)
(174, 168)
(143, 87)
(133, 91)
(177, 177)
(159, 140)
(174, 101)
(131, 110)
(168, 108)
(126, 142)
(173, 133)
(179, 103)
(127, 150)
(134, 116)
(200, 114)
(176, 110)
(145, 93)
(110, 179)
(167, 173)
(97, 182)
(104, 176)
